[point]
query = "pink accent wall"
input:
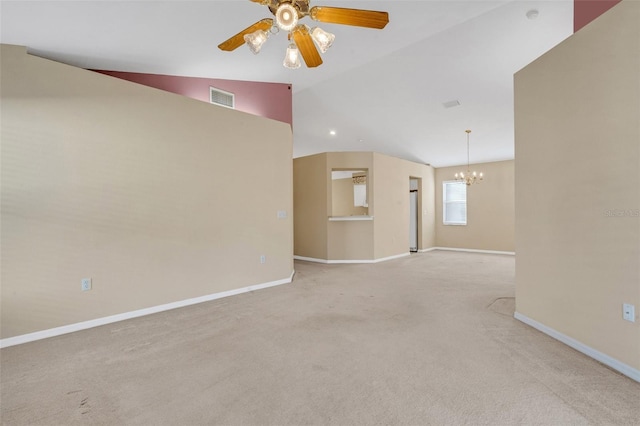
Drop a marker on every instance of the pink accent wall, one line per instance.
(271, 100)
(585, 11)
(274, 100)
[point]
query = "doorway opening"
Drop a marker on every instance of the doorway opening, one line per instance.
(414, 209)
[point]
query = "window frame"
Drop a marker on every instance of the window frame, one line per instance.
(446, 203)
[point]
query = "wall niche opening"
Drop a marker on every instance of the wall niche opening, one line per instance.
(349, 192)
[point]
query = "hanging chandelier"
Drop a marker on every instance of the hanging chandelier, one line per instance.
(470, 177)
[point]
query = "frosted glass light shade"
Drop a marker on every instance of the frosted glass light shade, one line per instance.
(323, 39)
(286, 17)
(256, 40)
(292, 57)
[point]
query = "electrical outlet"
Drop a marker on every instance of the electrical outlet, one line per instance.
(86, 284)
(628, 312)
(263, 259)
(282, 214)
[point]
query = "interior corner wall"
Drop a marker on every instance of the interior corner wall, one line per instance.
(156, 197)
(310, 206)
(349, 240)
(490, 209)
(387, 234)
(427, 204)
(577, 122)
(270, 100)
(391, 199)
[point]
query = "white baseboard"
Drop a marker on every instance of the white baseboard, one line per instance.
(581, 347)
(335, 261)
(310, 259)
(382, 259)
(427, 249)
(57, 331)
(397, 256)
(512, 253)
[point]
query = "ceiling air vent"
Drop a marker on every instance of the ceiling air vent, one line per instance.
(451, 104)
(222, 98)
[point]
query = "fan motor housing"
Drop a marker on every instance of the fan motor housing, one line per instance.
(302, 6)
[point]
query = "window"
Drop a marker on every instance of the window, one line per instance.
(454, 203)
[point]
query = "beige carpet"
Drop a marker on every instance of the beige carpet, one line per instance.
(424, 340)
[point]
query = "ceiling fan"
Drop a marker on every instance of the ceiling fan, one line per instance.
(287, 13)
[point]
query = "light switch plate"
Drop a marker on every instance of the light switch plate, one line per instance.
(86, 284)
(629, 312)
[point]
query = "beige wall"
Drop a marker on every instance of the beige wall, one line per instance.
(351, 240)
(577, 112)
(388, 196)
(310, 187)
(156, 197)
(490, 209)
(391, 196)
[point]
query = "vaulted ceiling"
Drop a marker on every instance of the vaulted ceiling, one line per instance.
(378, 90)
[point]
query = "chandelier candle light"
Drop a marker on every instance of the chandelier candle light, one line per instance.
(470, 177)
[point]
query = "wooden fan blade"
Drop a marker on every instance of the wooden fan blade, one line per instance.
(238, 39)
(271, 4)
(356, 17)
(306, 47)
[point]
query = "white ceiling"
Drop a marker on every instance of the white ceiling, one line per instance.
(379, 90)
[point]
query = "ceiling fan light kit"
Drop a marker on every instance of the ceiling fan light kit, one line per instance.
(255, 40)
(291, 58)
(323, 39)
(287, 13)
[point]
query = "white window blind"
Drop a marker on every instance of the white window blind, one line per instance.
(454, 203)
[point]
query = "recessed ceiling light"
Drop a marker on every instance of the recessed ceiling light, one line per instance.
(332, 132)
(532, 14)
